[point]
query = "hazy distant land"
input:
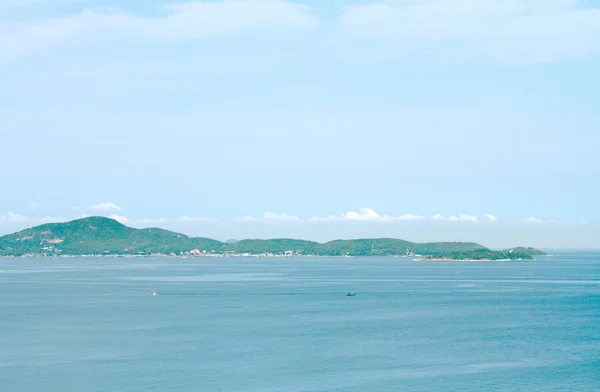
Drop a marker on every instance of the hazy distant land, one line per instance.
(99, 236)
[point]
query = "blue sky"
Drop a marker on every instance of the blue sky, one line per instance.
(249, 118)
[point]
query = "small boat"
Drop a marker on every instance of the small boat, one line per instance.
(350, 294)
(152, 293)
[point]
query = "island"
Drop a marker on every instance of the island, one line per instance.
(100, 236)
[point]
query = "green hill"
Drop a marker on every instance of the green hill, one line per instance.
(97, 235)
(103, 236)
(275, 246)
(526, 251)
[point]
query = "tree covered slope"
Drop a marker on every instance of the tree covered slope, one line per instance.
(104, 236)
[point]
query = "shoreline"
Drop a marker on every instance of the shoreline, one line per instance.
(466, 260)
(207, 256)
(261, 256)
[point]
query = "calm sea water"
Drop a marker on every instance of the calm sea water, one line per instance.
(284, 325)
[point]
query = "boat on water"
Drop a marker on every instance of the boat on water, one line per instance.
(349, 294)
(152, 293)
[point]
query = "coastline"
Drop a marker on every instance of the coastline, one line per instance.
(205, 256)
(261, 256)
(424, 260)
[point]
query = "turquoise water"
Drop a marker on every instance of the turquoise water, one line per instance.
(271, 325)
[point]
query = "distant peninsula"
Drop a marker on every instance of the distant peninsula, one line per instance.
(99, 236)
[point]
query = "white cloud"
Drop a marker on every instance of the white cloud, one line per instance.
(186, 21)
(552, 221)
(105, 206)
(119, 218)
(524, 30)
(404, 217)
(14, 217)
(464, 217)
(367, 214)
(469, 218)
(534, 220)
(272, 217)
(364, 214)
(491, 217)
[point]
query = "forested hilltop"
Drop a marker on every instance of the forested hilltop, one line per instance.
(107, 237)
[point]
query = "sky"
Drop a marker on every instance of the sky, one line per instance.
(427, 120)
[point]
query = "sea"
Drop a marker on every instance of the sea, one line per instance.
(286, 325)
